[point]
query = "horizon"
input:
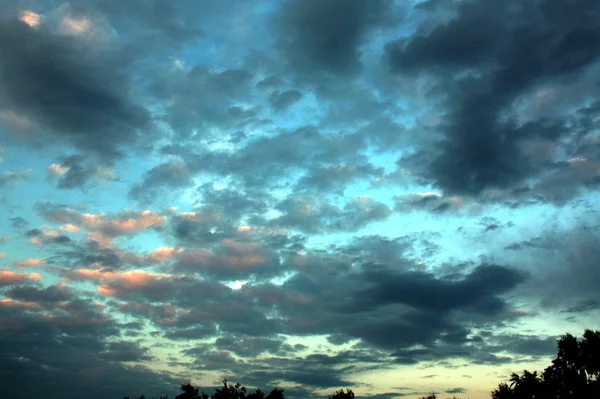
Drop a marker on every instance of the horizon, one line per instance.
(396, 197)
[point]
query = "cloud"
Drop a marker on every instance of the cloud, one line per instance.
(231, 259)
(583, 306)
(327, 35)
(31, 18)
(9, 177)
(282, 100)
(8, 277)
(50, 294)
(306, 213)
(103, 228)
(32, 262)
(79, 95)
(57, 170)
(58, 346)
(164, 176)
(224, 181)
(75, 172)
(45, 237)
(124, 224)
(321, 178)
(482, 76)
(18, 223)
(431, 202)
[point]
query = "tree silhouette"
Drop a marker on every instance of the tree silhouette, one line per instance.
(227, 391)
(343, 395)
(276, 393)
(573, 374)
(503, 391)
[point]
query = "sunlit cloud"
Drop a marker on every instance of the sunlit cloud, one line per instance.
(57, 170)
(69, 25)
(31, 18)
(8, 277)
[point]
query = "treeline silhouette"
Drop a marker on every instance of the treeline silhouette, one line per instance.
(574, 374)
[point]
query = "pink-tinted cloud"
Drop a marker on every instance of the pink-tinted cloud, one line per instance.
(161, 255)
(31, 18)
(231, 256)
(8, 277)
(100, 227)
(32, 262)
(20, 305)
(127, 284)
(126, 224)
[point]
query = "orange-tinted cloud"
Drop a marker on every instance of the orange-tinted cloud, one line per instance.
(8, 277)
(12, 304)
(231, 256)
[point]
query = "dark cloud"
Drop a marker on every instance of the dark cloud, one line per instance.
(282, 100)
(335, 178)
(251, 346)
(50, 294)
(477, 290)
(170, 175)
(570, 261)
(57, 213)
(201, 98)
(306, 213)
(327, 35)
(86, 253)
(61, 350)
(313, 371)
(264, 162)
(430, 202)
(525, 345)
(583, 306)
(40, 237)
(274, 156)
(486, 57)
(18, 223)
(75, 171)
(80, 95)
(124, 351)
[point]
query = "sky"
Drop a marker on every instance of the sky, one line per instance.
(397, 197)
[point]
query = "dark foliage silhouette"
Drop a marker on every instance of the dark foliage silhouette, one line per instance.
(343, 395)
(227, 391)
(573, 374)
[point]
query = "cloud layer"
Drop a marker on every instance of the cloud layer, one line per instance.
(312, 194)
